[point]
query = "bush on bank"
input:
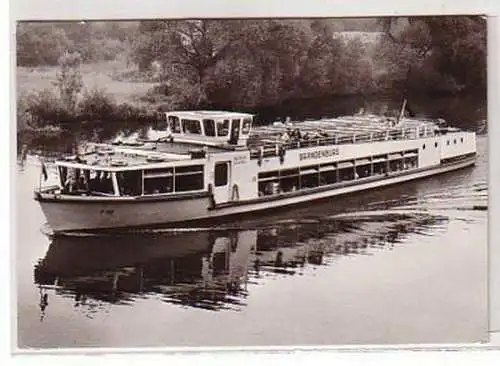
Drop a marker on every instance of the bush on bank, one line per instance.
(45, 108)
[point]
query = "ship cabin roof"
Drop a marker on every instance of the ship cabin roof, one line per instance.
(203, 114)
(138, 155)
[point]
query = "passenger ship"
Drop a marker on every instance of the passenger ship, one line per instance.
(203, 165)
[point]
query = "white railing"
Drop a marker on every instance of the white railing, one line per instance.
(269, 148)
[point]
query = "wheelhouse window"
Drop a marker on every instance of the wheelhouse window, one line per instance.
(209, 127)
(161, 122)
(247, 123)
(174, 123)
(223, 128)
(189, 178)
(191, 126)
(221, 174)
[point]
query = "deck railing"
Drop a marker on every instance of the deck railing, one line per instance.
(269, 149)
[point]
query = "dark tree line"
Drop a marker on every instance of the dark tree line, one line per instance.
(245, 64)
(248, 63)
(42, 44)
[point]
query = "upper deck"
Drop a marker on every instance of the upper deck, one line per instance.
(170, 147)
(336, 131)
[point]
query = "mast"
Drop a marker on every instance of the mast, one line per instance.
(402, 113)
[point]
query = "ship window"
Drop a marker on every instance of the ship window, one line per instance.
(158, 185)
(191, 126)
(396, 165)
(289, 180)
(462, 140)
(63, 172)
(154, 173)
(423, 147)
(209, 127)
(346, 173)
(448, 142)
(189, 169)
(379, 167)
(309, 180)
(174, 123)
(411, 162)
(435, 144)
(363, 171)
(130, 183)
(189, 178)
(247, 123)
(99, 182)
(328, 177)
(221, 174)
(268, 183)
(223, 128)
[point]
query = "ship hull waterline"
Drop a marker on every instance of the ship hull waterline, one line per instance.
(76, 215)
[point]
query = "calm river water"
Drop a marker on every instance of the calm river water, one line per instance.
(406, 264)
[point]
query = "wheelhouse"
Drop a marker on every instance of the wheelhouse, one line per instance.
(207, 126)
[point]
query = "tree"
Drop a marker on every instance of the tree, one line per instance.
(69, 79)
(440, 54)
(40, 44)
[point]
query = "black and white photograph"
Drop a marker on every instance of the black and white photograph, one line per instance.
(251, 182)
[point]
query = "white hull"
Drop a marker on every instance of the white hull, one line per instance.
(73, 215)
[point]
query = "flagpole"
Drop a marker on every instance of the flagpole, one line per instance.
(40, 176)
(43, 171)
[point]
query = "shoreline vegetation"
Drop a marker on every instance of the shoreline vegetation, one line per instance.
(71, 74)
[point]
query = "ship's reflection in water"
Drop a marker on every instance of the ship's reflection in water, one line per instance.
(211, 269)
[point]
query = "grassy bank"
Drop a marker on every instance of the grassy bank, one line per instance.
(107, 76)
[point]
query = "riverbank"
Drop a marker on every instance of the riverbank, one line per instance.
(107, 75)
(117, 92)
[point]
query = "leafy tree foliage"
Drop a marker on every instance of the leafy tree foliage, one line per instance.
(43, 43)
(436, 54)
(245, 64)
(248, 63)
(40, 44)
(69, 79)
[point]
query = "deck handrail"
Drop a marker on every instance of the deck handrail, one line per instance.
(269, 149)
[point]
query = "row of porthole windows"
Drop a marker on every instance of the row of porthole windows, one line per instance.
(447, 142)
